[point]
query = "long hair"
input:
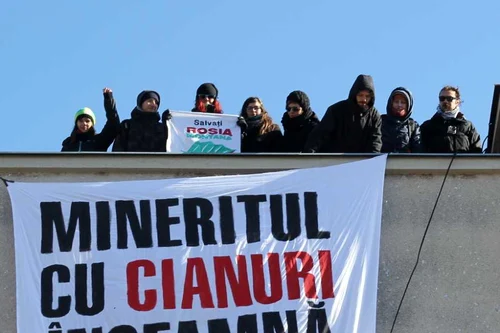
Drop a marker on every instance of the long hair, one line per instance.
(91, 132)
(200, 105)
(267, 122)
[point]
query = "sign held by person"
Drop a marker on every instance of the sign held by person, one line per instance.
(205, 133)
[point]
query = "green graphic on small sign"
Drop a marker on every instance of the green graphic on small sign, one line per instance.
(208, 148)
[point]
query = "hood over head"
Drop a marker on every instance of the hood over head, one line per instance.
(301, 99)
(362, 82)
(308, 115)
(409, 100)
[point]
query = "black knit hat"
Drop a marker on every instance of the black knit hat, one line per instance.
(207, 89)
(300, 98)
(147, 94)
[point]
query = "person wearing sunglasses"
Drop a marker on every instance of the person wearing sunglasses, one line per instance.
(448, 131)
(400, 133)
(261, 134)
(298, 121)
(349, 126)
(206, 99)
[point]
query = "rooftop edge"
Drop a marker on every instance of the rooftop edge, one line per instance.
(401, 164)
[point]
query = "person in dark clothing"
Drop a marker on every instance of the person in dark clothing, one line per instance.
(298, 122)
(143, 132)
(400, 133)
(259, 133)
(84, 137)
(349, 126)
(448, 131)
(207, 99)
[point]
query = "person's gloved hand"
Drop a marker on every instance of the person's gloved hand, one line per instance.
(166, 115)
(242, 124)
(210, 108)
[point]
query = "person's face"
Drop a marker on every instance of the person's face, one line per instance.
(363, 98)
(207, 99)
(150, 105)
(84, 124)
(399, 105)
(448, 100)
(254, 109)
(294, 110)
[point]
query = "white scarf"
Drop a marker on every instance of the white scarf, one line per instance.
(448, 114)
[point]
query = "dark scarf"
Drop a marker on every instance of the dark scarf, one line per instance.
(83, 136)
(254, 123)
(145, 117)
(77, 136)
(295, 124)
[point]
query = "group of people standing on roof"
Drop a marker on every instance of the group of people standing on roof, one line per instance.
(350, 126)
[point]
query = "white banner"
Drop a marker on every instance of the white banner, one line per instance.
(207, 133)
(292, 251)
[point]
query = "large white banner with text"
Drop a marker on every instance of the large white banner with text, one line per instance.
(207, 133)
(293, 251)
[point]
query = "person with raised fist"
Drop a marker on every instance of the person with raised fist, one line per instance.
(84, 137)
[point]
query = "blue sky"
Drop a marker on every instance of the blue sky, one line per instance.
(58, 55)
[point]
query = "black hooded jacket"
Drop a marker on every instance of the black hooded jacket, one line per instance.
(400, 134)
(297, 130)
(458, 134)
(143, 132)
(96, 142)
(346, 127)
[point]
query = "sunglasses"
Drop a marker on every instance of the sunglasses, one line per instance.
(446, 98)
(293, 109)
(206, 96)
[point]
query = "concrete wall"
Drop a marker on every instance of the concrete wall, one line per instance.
(456, 287)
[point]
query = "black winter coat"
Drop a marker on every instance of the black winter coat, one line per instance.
(142, 133)
(400, 136)
(459, 135)
(346, 127)
(297, 131)
(101, 141)
(253, 142)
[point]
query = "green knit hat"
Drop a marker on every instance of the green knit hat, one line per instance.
(85, 112)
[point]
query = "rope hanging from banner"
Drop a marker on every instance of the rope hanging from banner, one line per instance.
(6, 181)
(422, 242)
